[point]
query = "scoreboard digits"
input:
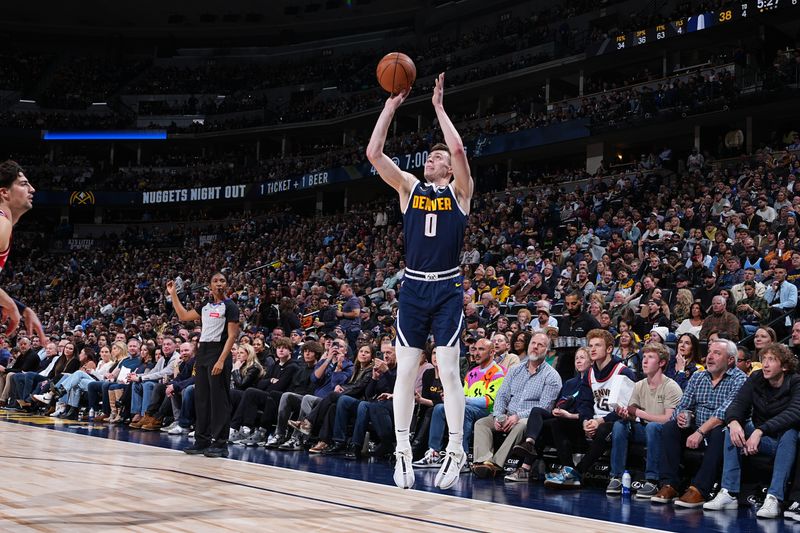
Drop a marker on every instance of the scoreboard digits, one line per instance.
(742, 10)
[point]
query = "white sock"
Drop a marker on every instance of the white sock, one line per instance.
(449, 373)
(403, 400)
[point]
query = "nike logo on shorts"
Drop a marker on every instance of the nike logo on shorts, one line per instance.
(458, 284)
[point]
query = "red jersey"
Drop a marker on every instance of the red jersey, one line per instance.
(4, 253)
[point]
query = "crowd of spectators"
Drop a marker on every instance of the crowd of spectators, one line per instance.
(655, 266)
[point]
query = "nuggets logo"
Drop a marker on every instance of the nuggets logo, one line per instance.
(81, 198)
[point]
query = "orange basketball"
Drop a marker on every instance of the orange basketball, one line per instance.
(396, 72)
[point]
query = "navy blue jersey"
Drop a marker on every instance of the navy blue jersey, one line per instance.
(433, 228)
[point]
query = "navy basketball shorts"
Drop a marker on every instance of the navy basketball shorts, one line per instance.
(430, 307)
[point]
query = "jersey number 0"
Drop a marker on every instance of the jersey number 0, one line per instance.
(430, 225)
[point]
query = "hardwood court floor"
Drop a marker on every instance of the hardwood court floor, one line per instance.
(58, 481)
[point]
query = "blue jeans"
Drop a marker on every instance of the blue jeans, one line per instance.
(187, 407)
(380, 415)
(97, 392)
(140, 396)
(471, 414)
(346, 409)
(783, 449)
(25, 382)
(648, 434)
(74, 383)
(673, 441)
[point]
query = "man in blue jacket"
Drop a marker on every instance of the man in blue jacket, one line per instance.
(781, 296)
(334, 368)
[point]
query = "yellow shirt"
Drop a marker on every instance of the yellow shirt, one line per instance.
(501, 295)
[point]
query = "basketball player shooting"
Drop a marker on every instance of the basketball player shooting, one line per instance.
(434, 219)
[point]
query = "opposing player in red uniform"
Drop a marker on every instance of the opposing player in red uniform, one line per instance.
(16, 199)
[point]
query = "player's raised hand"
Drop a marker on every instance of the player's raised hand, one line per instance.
(438, 91)
(171, 288)
(396, 100)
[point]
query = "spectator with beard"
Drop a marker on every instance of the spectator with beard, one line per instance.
(530, 386)
(572, 330)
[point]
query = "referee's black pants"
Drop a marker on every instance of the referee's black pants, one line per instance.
(212, 404)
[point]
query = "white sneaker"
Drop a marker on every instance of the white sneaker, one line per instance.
(236, 437)
(191, 434)
(403, 469)
(178, 430)
(61, 408)
(431, 459)
(722, 501)
(166, 429)
(451, 468)
(771, 508)
(43, 398)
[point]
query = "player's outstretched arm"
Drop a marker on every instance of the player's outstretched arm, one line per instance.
(400, 181)
(10, 312)
(458, 157)
(33, 325)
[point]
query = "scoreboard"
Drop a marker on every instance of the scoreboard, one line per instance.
(651, 35)
(738, 11)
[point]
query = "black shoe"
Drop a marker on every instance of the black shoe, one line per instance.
(72, 414)
(195, 449)
(525, 449)
(353, 453)
(217, 450)
(338, 448)
(382, 450)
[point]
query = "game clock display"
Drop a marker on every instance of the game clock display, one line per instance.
(698, 22)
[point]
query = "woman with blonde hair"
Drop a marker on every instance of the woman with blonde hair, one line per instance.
(119, 353)
(683, 303)
(524, 318)
(247, 369)
(595, 308)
